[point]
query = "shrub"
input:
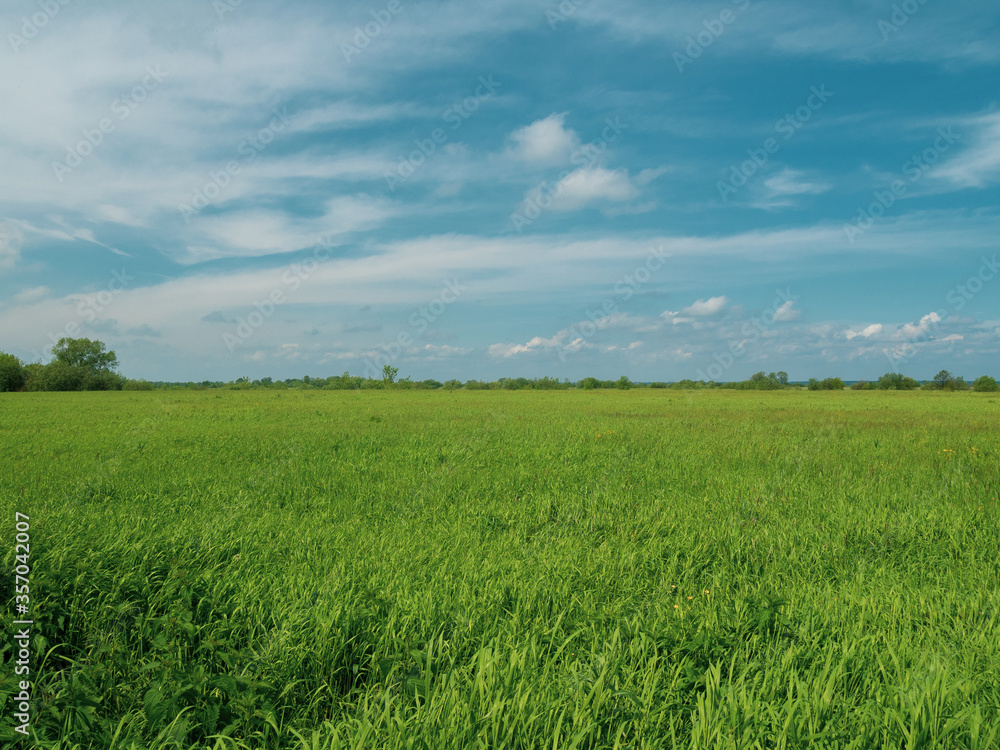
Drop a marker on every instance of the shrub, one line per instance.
(137, 385)
(12, 376)
(986, 384)
(657, 385)
(452, 385)
(623, 383)
(894, 381)
(589, 384)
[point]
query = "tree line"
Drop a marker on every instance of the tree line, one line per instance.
(86, 365)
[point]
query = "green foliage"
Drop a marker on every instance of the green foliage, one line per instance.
(894, 381)
(986, 384)
(827, 384)
(389, 375)
(85, 353)
(623, 383)
(137, 385)
(12, 375)
(945, 381)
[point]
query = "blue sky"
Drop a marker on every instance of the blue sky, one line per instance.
(503, 188)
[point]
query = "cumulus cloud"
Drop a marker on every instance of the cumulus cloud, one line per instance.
(786, 313)
(545, 141)
(873, 330)
(920, 330)
(706, 308)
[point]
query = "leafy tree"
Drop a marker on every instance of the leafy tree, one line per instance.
(895, 381)
(389, 374)
(623, 383)
(589, 384)
(783, 377)
(942, 380)
(90, 355)
(12, 376)
(986, 384)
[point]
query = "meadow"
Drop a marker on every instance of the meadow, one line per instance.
(493, 569)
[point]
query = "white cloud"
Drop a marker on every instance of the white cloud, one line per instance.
(919, 330)
(34, 294)
(873, 330)
(586, 186)
(706, 308)
(781, 190)
(979, 164)
(545, 141)
(11, 238)
(786, 313)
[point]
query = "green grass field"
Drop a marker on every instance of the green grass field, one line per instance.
(603, 569)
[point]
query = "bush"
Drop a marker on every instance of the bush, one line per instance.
(452, 385)
(547, 384)
(623, 383)
(137, 385)
(657, 385)
(589, 384)
(12, 376)
(863, 385)
(894, 381)
(985, 384)
(55, 376)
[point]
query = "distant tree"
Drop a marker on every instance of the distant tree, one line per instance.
(986, 384)
(90, 355)
(12, 375)
(941, 380)
(894, 381)
(452, 385)
(389, 375)
(623, 383)
(589, 384)
(783, 377)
